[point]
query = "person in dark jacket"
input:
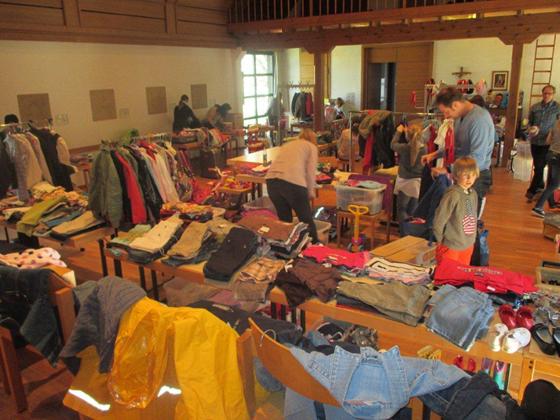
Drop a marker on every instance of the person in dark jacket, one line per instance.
(183, 115)
(8, 178)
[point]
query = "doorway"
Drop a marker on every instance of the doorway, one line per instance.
(381, 86)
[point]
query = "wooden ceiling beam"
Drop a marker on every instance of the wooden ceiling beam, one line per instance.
(510, 29)
(393, 14)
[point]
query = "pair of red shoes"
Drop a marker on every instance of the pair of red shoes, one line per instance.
(522, 318)
(471, 364)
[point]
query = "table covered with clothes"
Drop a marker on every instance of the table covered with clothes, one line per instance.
(396, 298)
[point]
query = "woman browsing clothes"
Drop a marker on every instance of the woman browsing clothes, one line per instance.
(291, 179)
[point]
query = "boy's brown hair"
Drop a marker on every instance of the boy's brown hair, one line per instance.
(465, 164)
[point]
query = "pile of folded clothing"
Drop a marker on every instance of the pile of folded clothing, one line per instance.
(238, 247)
(85, 222)
(195, 245)
(155, 243)
(15, 213)
(485, 279)
(304, 279)
(395, 300)
(187, 211)
(123, 240)
(286, 240)
(220, 227)
(32, 258)
(255, 280)
(460, 315)
(351, 263)
(381, 269)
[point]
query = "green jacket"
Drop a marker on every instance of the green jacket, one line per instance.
(105, 192)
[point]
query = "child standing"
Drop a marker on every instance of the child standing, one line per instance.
(455, 220)
(407, 185)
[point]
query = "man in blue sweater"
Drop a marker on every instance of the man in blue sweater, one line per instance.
(474, 134)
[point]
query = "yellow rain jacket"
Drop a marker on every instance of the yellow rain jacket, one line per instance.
(164, 356)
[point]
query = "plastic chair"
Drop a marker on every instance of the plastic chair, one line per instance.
(280, 362)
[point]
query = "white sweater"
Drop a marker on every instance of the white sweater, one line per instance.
(296, 163)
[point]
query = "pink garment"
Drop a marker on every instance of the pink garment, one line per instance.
(337, 257)
(32, 258)
(484, 279)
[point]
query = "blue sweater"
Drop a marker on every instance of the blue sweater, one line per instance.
(474, 136)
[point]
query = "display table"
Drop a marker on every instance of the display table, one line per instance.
(75, 242)
(525, 365)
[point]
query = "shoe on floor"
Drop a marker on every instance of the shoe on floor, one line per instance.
(538, 212)
(529, 196)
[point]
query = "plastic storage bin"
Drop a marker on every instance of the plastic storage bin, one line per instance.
(323, 229)
(260, 203)
(371, 198)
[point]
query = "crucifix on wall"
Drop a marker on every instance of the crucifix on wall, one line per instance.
(462, 72)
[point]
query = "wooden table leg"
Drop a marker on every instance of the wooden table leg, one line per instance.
(155, 285)
(104, 268)
(11, 366)
(527, 373)
(338, 229)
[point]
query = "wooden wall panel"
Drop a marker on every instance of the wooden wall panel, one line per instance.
(414, 67)
(199, 23)
(191, 14)
(131, 23)
(382, 55)
(31, 14)
(140, 8)
(56, 4)
(202, 29)
(156, 98)
(206, 4)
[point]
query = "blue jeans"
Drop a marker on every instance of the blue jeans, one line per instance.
(460, 315)
(552, 182)
(376, 385)
(468, 399)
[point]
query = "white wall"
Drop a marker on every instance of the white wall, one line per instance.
(479, 56)
(68, 71)
(485, 55)
(346, 75)
(288, 71)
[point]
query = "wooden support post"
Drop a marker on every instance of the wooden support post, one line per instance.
(71, 12)
(512, 109)
(171, 16)
(318, 113)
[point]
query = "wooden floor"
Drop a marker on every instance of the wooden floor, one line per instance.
(516, 243)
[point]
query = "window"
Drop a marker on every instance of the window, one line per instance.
(258, 86)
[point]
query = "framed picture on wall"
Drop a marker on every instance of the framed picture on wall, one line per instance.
(500, 80)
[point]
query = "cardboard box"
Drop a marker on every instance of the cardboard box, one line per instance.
(409, 249)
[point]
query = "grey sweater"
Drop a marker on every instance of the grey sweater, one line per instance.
(455, 220)
(406, 170)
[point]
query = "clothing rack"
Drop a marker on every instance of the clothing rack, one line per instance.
(152, 137)
(363, 112)
(299, 85)
(21, 124)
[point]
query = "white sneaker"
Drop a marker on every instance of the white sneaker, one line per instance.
(495, 336)
(516, 339)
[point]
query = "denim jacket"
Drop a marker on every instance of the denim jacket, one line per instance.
(376, 385)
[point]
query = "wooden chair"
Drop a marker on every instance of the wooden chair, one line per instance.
(280, 362)
(10, 373)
